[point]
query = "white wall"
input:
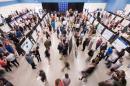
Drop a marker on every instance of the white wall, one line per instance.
(6, 10)
(94, 6)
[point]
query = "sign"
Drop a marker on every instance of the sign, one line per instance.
(119, 44)
(100, 28)
(27, 45)
(107, 34)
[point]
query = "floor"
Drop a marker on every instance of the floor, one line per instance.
(25, 76)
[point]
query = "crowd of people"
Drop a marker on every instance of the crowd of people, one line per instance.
(67, 25)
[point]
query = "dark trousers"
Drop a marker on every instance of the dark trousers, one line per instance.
(106, 56)
(84, 46)
(15, 63)
(8, 67)
(33, 65)
(38, 58)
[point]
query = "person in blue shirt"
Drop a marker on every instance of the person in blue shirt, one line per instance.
(18, 34)
(109, 52)
(9, 48)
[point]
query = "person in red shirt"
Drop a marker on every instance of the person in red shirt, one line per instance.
(3, 63)
(58, 82)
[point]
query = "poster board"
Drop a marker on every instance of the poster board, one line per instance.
(91, 20)
(107, 34)
(34, 35)
(120, 44)
(27, 45)
(100, 28)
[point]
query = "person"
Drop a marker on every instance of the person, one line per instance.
(47, 55)
(47, 43)
(5, 82)
(12, 58)
(5, 65)
(120, 54)
(66, 80)
(108, 53)
(90, 54)
(115, 66)
(67, 66)
(29, 59)
(89, 70)
(58, 82)
(42, 75)
(65, 49)
(77, 41)
(60, 47)
(37, 54)
(99, 42)
(103, 46)
(85, 43)
(9, 48)
(90, 44)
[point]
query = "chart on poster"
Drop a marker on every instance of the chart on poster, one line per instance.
(27, 45)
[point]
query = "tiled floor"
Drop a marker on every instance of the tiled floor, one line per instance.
(25, 76)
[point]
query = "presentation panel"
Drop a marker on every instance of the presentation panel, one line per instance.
(107, 34)
(125, 22)
(27, 45)
(39, 29)
(91, 20)
(100, 28)
(118, 18)
(91, 7)
(119, 44)
(35, 35)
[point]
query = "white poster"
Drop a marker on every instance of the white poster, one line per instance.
(118, 19)
(100, 28)
(119, 44)
(107, 34)
(91, 20)
(27, 45)
(91, 7)
(34, 35)
(125, 22)
(39, 29)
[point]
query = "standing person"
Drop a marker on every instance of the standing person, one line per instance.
(77, 41)
(103, 46)
(85, 43)
(42, 75)
(90, 44)
(5, 82)
(47, 43)
(47, 55)
(108, 53)
(12, 58)
(66, 80)
(90, 54)
(67, 66)
(29, 59)
(37, 54)
(120, 55)
(58, 32)
(4, 64)
(58, 82)
(9, 48)
(60, 47)
(99, 42)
